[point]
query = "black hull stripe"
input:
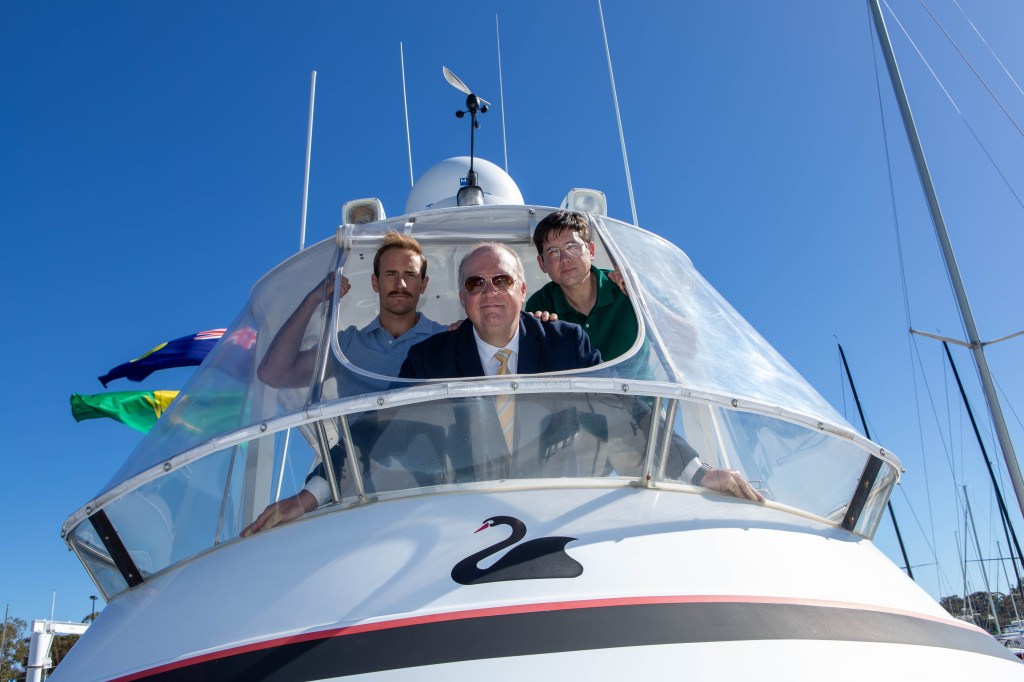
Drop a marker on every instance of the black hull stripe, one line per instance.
(553, 628)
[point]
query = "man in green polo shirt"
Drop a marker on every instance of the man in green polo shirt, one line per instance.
(578, 291)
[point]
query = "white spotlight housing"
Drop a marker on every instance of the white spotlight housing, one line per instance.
(586, 201)
(359, 211)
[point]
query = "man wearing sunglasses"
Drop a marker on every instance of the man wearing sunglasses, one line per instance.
(492, 291)
(499, 339)
(578, 291)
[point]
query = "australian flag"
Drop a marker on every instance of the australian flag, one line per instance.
(183, 352)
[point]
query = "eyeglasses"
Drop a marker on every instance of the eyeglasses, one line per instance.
(501, 283)
(570, 249)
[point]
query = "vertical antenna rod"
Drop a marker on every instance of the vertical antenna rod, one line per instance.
(309, 146)
(942, 234)
(501, 93)
(405, 103)
(864, 423)
(618, 119)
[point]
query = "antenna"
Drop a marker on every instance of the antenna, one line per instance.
(501, 93)
(405, 103)
(309, 145)
(618, 118)
(471, 194)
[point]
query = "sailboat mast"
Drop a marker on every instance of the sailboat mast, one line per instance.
(977, 349)
(864, 423)
(981, 563)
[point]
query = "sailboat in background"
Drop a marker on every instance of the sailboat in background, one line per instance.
(974, 342)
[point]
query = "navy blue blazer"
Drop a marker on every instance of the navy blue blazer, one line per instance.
(543, 347)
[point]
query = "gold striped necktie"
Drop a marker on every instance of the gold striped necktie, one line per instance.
(505, 404)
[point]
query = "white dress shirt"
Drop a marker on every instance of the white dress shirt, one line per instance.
(487, 351)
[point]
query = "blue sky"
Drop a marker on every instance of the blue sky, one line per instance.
(151, 171)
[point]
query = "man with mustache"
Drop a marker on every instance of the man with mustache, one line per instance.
(399, 279)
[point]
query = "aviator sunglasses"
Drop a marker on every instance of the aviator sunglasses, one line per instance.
(501, 283)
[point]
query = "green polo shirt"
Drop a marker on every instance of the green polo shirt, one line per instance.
(611, 324)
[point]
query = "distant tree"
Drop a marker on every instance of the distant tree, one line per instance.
(1009, 607)
(954, 605)
(14, 655)
(60, 647)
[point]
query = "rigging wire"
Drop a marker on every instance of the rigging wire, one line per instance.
(991, 51)
(943, 578)
(1008, 403)
(906, 298)
(963, 118)
(967, 61)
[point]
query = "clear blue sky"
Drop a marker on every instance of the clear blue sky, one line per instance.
(151, 171)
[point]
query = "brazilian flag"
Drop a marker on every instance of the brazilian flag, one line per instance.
(137, 409)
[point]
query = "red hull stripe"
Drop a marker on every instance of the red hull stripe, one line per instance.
(574, 626)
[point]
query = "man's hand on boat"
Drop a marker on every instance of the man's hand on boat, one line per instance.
(281, 512)
(731, 482)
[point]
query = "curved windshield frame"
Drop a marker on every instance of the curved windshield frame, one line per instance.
(438, 438)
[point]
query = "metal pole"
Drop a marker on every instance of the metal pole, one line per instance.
(1006, 575)
(501, 92)
(963, 565)
(3, 642)
(981, 563)
(309, 147)
(405, 105)
(867, 434)
(977, 349)
(618, 118)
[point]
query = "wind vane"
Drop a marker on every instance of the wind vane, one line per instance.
(471, 194)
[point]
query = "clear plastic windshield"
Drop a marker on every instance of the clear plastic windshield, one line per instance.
(696, 379)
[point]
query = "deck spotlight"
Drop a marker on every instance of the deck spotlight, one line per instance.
(360, 211)
(586, 201)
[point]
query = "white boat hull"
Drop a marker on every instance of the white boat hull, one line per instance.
(672, 582)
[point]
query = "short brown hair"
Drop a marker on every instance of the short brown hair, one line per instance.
(395, 240)
(559, 221)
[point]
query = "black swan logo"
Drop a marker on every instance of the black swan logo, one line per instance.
(540, 558)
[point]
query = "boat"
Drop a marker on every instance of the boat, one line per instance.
(593, 561)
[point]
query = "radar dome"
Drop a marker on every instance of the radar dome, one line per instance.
(439, 185)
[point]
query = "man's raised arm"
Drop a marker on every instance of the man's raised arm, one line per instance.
(284, 365)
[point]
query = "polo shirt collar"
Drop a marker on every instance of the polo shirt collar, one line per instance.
(422, 326)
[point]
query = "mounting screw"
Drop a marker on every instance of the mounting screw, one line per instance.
(735, 403)
(625, 388)
(263, 427)
(167, 466)
(515, 385)
(380, 402)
